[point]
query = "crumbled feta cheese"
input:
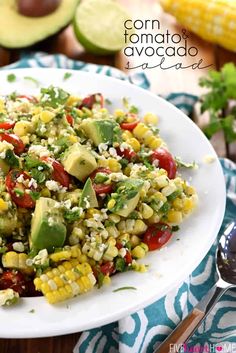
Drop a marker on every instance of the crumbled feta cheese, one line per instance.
(52, 185)
(102, 147)
(67, 204)
(4, 146)
(39, 150)
(8, 296)
(122, 252)
(112, 152)
(40, 259)
(33, 183)
(18, 246)
(20, 179)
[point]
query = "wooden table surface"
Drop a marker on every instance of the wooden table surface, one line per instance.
(161, 82)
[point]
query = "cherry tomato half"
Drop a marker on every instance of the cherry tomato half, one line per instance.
(127, 154)
(59, 174)
(89, 101)
(129, 126)
(70, 119)
(7, 125)
(108, 268)
(13, 279)
(166, 161)
(14, 140)
(31, 99)
(101, 188)
(23, 200)
(157, 235)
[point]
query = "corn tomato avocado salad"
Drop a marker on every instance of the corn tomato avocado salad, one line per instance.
(84, 193)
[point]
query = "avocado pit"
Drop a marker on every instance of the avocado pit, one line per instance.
(32, 8)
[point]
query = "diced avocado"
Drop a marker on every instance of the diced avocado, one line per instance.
(127, 196)
(79, 161)
(48, 230)
(8, 223)
(88, 196)
(100, 131)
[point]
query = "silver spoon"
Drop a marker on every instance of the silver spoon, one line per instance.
(226, 269)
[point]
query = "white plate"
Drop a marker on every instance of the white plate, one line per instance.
(167, 267)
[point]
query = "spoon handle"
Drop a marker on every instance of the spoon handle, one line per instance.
(186, 328)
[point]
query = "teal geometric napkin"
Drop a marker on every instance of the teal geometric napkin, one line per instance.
(143, 331)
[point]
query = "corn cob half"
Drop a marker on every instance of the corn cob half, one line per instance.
(213, 20)
(66, 281)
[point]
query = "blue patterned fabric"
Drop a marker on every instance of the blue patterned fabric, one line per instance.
(144, 330)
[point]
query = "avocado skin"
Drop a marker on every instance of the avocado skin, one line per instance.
(48, 230)
(89, 193)
(18, 31)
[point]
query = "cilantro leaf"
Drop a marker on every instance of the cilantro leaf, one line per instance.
(67, 75)
(53, 96)
(11, 159)
(11, 78)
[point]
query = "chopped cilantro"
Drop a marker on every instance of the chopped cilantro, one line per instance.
(100, 178)
(18, 192)
(32, 79)
(133, 109)
(124, 288)
(35, 195)
(72, 216)
(31, 162)
(67, 75)
(11, 159)
(175, 229)
(32, 311)
(120, 264)
(174, 195)
(3, 249)
(180, 163)
(11, 78)
(100, 278)
(38, 175)
(53, 96)
(165, 208)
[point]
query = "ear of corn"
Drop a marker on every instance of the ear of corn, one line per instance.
(67, 280)
(213, 20)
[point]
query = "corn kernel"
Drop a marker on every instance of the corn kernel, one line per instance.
(134, 240)
(127, 135)
(73, 100)
(118, 113)
(178, 204)
(150, 118)
(155, 143)
(25, 139)
(134, 143)
(174, 217)
(111, 204)
(188, 205)
(144, 246)
(21, 128)
(138, 252)
(103, 110)
(3, 205)
(106, 280)
(114, 165)
(73, 138)
(46, 116)
(146, 211)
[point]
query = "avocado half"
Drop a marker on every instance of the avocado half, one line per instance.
(18, 31)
